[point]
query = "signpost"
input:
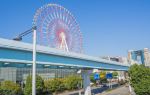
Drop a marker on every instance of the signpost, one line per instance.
(102, 75)
(109, 76)
(96, 76)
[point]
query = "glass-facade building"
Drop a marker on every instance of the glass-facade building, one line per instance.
(19, 74)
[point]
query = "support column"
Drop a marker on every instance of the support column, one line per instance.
(86, 82)
(121, 75)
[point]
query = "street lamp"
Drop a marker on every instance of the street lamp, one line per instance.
(19, 38)
(34, 63)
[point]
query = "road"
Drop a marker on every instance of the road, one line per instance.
(118, 91)
(95, 90)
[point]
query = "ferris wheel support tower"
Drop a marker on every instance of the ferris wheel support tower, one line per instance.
(63, 45)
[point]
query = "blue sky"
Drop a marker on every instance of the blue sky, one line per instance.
(109, 27)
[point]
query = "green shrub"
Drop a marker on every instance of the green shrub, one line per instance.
(103, 80)
(72, 82)
(10, 88)
(61, 84)
(39, 85)
(54, 85)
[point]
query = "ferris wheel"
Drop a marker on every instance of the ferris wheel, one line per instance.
(57, 28)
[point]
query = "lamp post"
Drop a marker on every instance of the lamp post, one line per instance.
(19, 38)
(34, 63)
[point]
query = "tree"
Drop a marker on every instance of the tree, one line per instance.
(10, 88)
(92, 79)
(115, 74)
(140, 79)
(39, 85)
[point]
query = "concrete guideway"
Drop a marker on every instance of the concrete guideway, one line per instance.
(14, 52)
(20, 52)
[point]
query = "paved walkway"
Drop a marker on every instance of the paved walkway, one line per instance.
(118, 91)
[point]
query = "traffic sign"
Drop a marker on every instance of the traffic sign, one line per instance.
(96, 76)
(102, 75)
(109, 76)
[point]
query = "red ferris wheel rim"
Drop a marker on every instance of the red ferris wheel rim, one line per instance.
(52, 18)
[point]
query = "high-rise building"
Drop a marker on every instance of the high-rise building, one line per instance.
(139, 57)
(147, 57)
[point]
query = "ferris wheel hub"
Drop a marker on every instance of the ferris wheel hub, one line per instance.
(62, 35)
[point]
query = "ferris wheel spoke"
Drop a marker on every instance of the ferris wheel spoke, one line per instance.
(60, 13)
(51, 15)
(57, 9)
(55, 15)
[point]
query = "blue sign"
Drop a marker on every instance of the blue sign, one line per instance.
(109, 76)
(96, 76)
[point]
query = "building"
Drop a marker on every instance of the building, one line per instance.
(20, 74)
(139, 57)
(120, 59)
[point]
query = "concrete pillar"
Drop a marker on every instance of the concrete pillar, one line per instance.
(86, 82)
(121, 75)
